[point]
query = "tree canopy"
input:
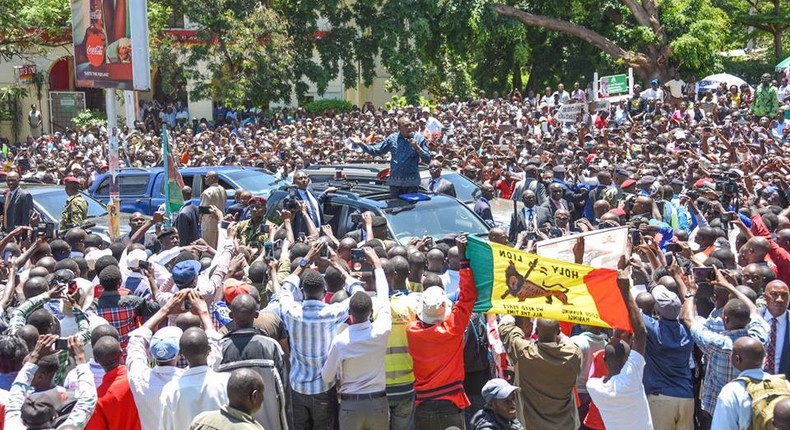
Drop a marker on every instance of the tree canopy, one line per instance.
(253, 52)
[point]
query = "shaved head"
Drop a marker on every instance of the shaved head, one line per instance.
(194, 346)
(747, 353)
(548, 330)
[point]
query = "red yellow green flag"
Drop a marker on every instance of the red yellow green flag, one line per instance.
(518, 283)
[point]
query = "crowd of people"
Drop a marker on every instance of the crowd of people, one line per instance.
(228, 320)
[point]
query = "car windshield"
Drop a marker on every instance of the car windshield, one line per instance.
(437, 218)
(52, 203)
(465, 190)
(254, 181)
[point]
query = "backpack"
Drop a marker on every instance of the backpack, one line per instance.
(765, 395)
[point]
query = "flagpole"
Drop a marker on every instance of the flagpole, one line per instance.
(166, 175)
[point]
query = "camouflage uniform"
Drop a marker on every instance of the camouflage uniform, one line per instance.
(247, 232)
(74, 213)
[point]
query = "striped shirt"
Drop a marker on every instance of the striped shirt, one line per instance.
(311, 326)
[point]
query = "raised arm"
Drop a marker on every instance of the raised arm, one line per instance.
(634, 315)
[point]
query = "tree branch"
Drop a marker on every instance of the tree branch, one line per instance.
(572, 29)
(645, 17)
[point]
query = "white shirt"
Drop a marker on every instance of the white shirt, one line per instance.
(531, 213)
(621, 400)
(198, 389)
(146, 383)
(781, 331)
(675, 87)
(356, 355)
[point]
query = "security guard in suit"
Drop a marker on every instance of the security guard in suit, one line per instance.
(76, 210)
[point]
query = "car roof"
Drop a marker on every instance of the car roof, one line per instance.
(198, 169)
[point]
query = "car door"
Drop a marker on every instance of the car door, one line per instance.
(160, 190)
(134, 193)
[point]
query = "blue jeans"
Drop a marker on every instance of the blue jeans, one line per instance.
(402, 413)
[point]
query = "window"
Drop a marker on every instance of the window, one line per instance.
(187, 181)
(134, 185)
(104, 188)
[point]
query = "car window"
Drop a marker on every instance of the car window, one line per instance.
(255, 181)
(187, 181)
(51, 203)
(134, 185)
(465, 190)
(104, 187)
(437, 218)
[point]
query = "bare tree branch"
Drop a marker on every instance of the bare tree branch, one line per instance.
(572, 29)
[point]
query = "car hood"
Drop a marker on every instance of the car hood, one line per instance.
(102, 227)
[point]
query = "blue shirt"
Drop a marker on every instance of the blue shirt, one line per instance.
(734, 405)
(404, 161)
(669, 346)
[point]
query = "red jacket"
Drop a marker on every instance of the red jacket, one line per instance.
(115, 409)
(438, 350)
(779, 255)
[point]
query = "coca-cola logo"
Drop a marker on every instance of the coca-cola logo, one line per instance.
(94, 48)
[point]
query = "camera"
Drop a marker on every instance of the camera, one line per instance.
(356, 218)
(727, 186)
(143, 265)
(268, 251)
(263, 229)
(291, 203)
(44, 229)
(204, 210)
(62, 344)
(359, 262)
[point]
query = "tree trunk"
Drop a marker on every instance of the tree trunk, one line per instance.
(517, 82)
(778, 30)
(653, 64)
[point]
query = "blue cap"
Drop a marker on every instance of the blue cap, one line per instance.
(185, 271)
(497, 388)
(164, 343)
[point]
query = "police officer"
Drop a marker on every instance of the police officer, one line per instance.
(76, 209)
(254, 231)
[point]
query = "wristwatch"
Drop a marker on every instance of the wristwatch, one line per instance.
(689, 295)
(304, 263)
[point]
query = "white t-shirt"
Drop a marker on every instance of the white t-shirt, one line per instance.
(622, 399)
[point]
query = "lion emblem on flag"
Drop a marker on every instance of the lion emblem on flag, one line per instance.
(521, 287)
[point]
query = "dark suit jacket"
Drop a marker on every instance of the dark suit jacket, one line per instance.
(483, 209)
(784, 362)
(444, 186)
(20, 207)
(298, 223)
(518, 223)
(549, 204)
(186, 223)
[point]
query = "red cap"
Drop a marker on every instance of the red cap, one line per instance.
(257, 201)
(234, 288)
(71, 180)
(628, 183)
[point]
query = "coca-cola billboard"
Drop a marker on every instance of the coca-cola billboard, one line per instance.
(111, 44)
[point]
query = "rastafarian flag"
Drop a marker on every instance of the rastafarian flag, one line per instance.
(518, 283)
